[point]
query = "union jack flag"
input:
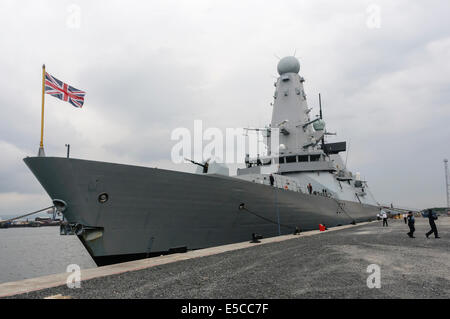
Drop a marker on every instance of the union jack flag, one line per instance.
(63, 91)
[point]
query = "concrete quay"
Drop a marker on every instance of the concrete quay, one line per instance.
(330, 264)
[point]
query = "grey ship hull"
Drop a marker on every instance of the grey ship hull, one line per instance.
(151, 210)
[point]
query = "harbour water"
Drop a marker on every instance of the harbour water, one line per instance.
(33, 252)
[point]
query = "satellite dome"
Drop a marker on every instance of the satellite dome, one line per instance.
(288, 64)
(319, 125)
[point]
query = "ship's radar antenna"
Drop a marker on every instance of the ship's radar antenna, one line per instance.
(321, 121)
(346, 155)
(288, 64)
(320, 106)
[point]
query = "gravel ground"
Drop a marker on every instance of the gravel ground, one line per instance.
(329, 265)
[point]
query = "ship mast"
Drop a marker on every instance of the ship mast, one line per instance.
(291, 113)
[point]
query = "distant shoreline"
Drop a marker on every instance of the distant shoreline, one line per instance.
(6, 217)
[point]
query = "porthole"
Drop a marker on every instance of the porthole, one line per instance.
(103, 198)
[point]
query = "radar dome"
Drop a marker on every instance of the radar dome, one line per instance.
(319, 125)
(288, 64)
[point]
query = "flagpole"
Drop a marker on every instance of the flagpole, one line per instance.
(41, 145)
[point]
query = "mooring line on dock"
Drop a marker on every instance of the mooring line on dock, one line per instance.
(267, 219)
(340, 205)
(29, 214)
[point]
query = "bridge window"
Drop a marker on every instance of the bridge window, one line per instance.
(291, 159)
(281, 160)
(303, 158)
(314, 158)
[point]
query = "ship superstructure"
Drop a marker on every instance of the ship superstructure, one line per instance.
(304, 157)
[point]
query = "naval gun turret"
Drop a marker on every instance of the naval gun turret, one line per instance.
(210, 167)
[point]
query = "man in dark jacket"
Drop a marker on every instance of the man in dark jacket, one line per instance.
(431, 218)
(309, 188)
(411, 225)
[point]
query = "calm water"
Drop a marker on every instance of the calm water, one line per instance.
(33, 252)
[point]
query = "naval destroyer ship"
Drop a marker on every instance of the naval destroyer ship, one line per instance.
(123, 212)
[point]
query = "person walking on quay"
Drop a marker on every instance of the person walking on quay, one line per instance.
(405, 217)
(411, 224)
(384, 217)
(310, 188)
(431, 218)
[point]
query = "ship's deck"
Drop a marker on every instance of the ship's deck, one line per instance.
(332, 264)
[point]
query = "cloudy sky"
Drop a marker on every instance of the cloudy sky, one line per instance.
(148, 67)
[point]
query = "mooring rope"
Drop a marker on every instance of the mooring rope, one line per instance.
(267, 219)
(21, 216)
(342, 208)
